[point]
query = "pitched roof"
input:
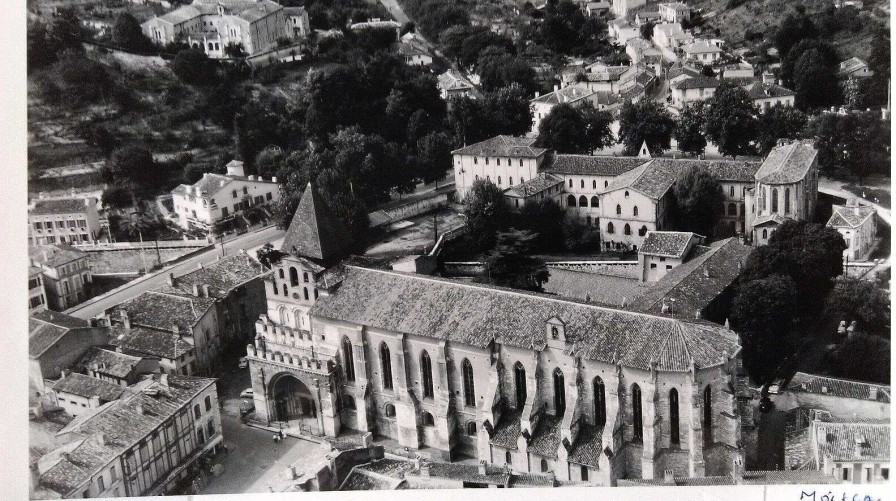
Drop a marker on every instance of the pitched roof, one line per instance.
(802, 382)
(589, 165)
(507, 430)
(850, 216)
(453, 80)
(164, 311)
(534, 186)
(850, 65)
(546, 437)
(47, 327)
(477, 315)
(653, 179)
(54, 255)
(593, 287)
(588, 445)
(852, 441)
(210, 184)
(108, 362)
(689, 284)
(768, 90)
(87, 387)
(701, 47)
(682, 70)
(503, 146)
(698, 82)
(61, 206)
(771, 219)
(181, 14)
(787, 164)
(221, 276)
(667, 243)
(569, 94)
(314, 231)
(151, 342)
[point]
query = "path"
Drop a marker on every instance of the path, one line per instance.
(396, 11)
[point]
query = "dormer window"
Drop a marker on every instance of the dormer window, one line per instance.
(556, 332)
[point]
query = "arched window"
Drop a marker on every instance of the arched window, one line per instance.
(707, 416)
(389, 410)
(626, 194)
(637, 424)
(774, 199)
(426, 372)
(559, 393)
(555, 332)
(583, 201)
(305, 292)
(571, 199)
(610, 228)
(595, 202)
(293, 276)
(348, 360)
(348, 403)
(281, 273)
(544, 465)
(508, 458)
(386, 362)
(731, 191)
(618, 209)
(197, 412)
(570, 183)
(510, 180)
(427, 419)
(285, 291)
(732, 209)
(594, 184)
(305, 276)
(606, 183)
(642, 231)
(519, 381)
(600, 402)
(471, 428)
(627, 229)
(469, 390)
(764, 233)
(201, 435)
(582, 184)
(673, 417)
(786, 200)
(635, 211)
(208, 403)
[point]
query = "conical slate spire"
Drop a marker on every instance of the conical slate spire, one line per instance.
(315, 232)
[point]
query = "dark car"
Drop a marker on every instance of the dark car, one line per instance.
(246, 407)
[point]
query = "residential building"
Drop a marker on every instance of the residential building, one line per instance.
(640, 50)
(576, 94)
(670, 36)
(600, 78)
(786, 187)
(65, 272)
(679, 72)
(702, 52)
(115, 367)
(736, 177)
(297, 19)
(584, 178)
(77, 394)
(55, 342)
(413, 53)
(857, 453)
(503, 160)
(857, 225)
(37, 298)
(693, 89)
(142, 444)
(60, 221)
(452, 84)
(643, 17)
(675, 12)
(621, 30)
(664, 250)
(741, 70)
(597, 9)
(174, 354)
(217, 199)
(766, 96)
(541, 187)
(842, 399)
(853, 68)
(622, 8)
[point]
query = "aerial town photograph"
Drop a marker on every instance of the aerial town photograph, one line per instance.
(288, 246)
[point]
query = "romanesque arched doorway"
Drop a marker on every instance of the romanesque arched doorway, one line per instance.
(294, 404)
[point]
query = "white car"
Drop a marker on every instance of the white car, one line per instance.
(244, 363)
(247, 393)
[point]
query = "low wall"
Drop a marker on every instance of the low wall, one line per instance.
(150, 244)
(463, 268)
(625, 269)
(413, 207)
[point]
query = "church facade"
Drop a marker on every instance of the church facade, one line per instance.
(453, 369)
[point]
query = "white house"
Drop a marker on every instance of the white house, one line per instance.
(664, 250)
(67, 220)
(453, 84)
(766, 96)
(856, 223)
(854, 68)
(692, 89)
(575, 95)
(621, 30)
(621, 8)
(675, 12)
(414, 53)
(702, 51)
(503, 160)
(670, 35)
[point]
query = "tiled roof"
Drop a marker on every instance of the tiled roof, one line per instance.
(360, 480)
(389, 467)
(222, 276)
(476, 315)
(151, 342)
(588, 165)
(667, 243)
(546, 437)
(653, 179)
(61, 206)
(768, 90)
(569, 94)
(118, 426)
(787, 164)
(211, 184)
(535, 185)
(45, 328)
(701, 47)
(532, 480)
(850, 216)
(507, 430)
(453, 80)
(181, 14)
(314, 231)
(503, 146)
(606, 98)
(774, 219)
(850, 65)
(845, 388)
(689, 284)
(775, 477)
(852, 441)
(86, 386)
(593, 287)
(108, 362)
(409, 48)
(682, 70)
(610, 74)
(588, 445)
(54, 255)
(376, 24)
(163, 311)
(467, 473)
(699, 82)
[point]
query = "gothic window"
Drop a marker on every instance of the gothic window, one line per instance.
(559, 393)
(732, 209)
(707, 416)
(673, 417)
(764, 233)
(627, 229)
(208, 403)
(731, 191)
(348, 360)
(618, 209)
(637, 424)
(386, 362)
(626, 194)
(774, 199)
(600, 402)
(305, 291)
(544, 465)
(606, 183)
(389, 410)
(428, 419)
(519, 380)
(469, 389)
(471, 428)
(610, 228)
(583, 201)
(642, 231)
(426, 370)
(293, 276)
(571, 200)
(570, 183)
(635, 211)
(595, 202)
(594, 184)
(786, 200)
(281, 273)
(582, 184)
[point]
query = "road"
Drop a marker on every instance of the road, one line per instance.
(832, 187)
(133, 289)
(395, 9)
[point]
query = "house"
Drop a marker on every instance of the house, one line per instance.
(742, 69)
(766, 96)
(55, 342)
(378, 24)
(541, 187)
(114, 450)
(670, 36)
(640, 49)
(622, 8)
(297, 19)
(853, 68)
(601, 78)
(856, 453)
(675, 12)
(842, 399)
(501, 159)
(584, 177)
(664, 250)
(66, 220)
(702, 52)
(679, 72)
(576, 94)
(65, 273)
(413, 53)
(857, 225)
(37, 298)
(212, 25)
(693, 89)
(597, 9)
(643, 17)
(452, 84)
(786, 187)
(77, 394)
(174, 354)
(115, 367)
(620, 30)
(217, 200)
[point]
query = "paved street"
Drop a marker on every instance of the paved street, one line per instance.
(131, 290)
(771, 441)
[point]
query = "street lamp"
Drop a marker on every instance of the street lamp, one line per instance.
(140, 232)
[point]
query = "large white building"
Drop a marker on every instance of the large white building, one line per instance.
(503, 160)
(60, 221)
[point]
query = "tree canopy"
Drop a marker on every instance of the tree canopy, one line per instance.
(779, 122)
(126, 33)
(582, 129)
(645, 121)
(698, 196)
(486, 212)
(732, 121)
(510, 263)
(194, 67)
(854, 299)
(851, 146)
(690, 130)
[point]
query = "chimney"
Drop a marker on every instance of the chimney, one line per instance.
(126, 319)
(171, 279)
(274, 179)
(482, 470)
(64, 373)
(101, 438)
(737, 470)
(196, 290)
(424, 470)
(872, 393)
(200, 266)
(94, 402)
(139, 409)
(163, 380)
(669, 477)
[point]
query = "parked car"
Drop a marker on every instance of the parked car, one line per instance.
(247, 393)
(246, 407)
(244, 363)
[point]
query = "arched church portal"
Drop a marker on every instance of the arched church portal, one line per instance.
(295, 404)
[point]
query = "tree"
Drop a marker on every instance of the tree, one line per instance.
(507, 111)
(193, 67)
(788, 64)
(127, 34)
(793, 29)
(779, 122)
(698, 196)
(544, 218)
(138, 224)
(646, 30)
(580, 237)
(817, 252)
(264, 121)
(815, 81)
(433, 156)
(510, 264)
(234, 49)
(854, 299)
(581, 130)
(732, 121)
(74, 81)
(862, 357)
(690, 130)
(645, 121)
(504, 70)
(852, 146)
(486, 212)
(762, 313)
(132, 168)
